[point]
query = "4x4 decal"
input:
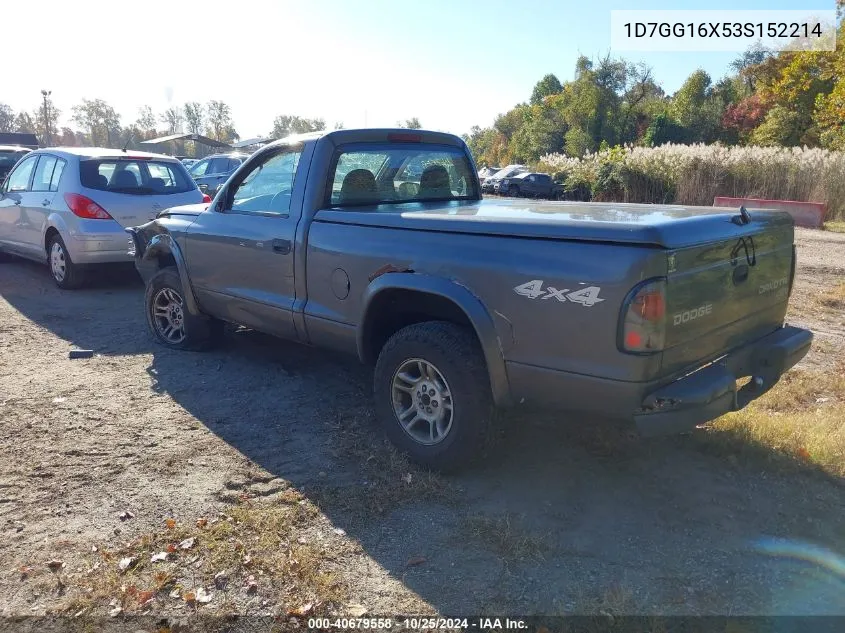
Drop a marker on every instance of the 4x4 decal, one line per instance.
(534, 289)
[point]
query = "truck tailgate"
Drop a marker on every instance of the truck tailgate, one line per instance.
(726, 293)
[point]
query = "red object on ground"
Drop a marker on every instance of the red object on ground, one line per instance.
(807, 214)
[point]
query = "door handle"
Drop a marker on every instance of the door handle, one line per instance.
(45, 202)
(17, 203)
(281, 246)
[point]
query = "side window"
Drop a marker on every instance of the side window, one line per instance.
(268, 186)
(44, 173)
(200, 168)
(163, 173)
(218, 166)
(234, 163)
(58, 170)
(19, 179)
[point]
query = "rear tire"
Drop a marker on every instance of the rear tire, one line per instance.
(64, 272)
(513, 192)
(432, 394)
(169, 319)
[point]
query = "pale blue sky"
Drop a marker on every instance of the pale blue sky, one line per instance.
(452, 63)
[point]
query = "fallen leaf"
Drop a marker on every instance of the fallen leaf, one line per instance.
(416, 560)
(189, 596)
(356, 610)
(126, 563)
(203, 596)
(804, 454)
(55, 564)
(188, 543)
(202, 522)
(145, 596)
(171, 548)
(155, 558)
(301, 611)
(125, 515)
(170, 523)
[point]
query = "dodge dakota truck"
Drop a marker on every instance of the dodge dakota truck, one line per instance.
(377, 243)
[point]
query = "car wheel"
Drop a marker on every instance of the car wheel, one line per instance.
(513, 192)
(168, 317)
(432, 394)
(65, 273)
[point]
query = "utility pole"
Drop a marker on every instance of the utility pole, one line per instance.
(48, 139)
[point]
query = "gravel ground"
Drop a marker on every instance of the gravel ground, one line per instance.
(557, 519)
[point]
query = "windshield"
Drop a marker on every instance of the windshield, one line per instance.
(401, 173)
(135, 176)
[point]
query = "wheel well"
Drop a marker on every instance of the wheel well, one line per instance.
(165, 259)
(391, 310)
(48, 236)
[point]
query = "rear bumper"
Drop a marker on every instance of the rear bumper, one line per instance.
(658, 408)
(98, 242)
(711, 391)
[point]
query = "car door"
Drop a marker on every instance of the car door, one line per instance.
(14, 217)
(39, 202)
(240, 252)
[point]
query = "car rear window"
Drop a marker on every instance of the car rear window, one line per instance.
(135, 176)
(413, 172)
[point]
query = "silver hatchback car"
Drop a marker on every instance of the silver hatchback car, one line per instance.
(68, 206)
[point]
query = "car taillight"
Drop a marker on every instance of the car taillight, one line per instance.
(643, 320)
(206, 198)
(84, 207)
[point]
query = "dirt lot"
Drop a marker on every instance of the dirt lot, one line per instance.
(562, 517)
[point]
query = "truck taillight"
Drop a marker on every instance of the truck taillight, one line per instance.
(643, 320)
(84, 207)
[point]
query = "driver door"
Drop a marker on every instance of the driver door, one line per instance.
(240, 252)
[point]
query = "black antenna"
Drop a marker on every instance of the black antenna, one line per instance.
(129, 140)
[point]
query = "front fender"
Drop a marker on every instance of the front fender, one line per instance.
(464, 299)
(153, 245)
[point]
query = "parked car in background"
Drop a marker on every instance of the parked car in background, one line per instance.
(189, 162)
(68, 206)
(530, 185)
(9, 155)
(212, 171)
(644, 313)
(489, 184)
(485, 172)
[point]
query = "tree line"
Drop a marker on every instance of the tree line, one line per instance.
(98, 124)
(769, 98)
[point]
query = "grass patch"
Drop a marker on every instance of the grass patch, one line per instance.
(801, 421)
(837, 226)
(505, 536)
(386, 478)
(252, 559)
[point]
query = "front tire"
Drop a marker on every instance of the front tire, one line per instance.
(432, 394)
(513, 192)
(169, 319)
(63, 270)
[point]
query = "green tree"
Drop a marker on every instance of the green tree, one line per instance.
(194, 117)
(781, 126)
(7, 118)
(146, 121)
(547, 86)
(24, 123)
(172, 119)
(286, 124)
(100, 120)
(220, 124)
(698, 109)
(412, 124)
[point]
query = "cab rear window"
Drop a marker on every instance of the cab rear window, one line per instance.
(138, 177)
(368, 175)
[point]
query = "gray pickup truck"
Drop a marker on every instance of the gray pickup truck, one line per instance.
(377, 243)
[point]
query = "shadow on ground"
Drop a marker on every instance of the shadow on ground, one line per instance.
(562, 516)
